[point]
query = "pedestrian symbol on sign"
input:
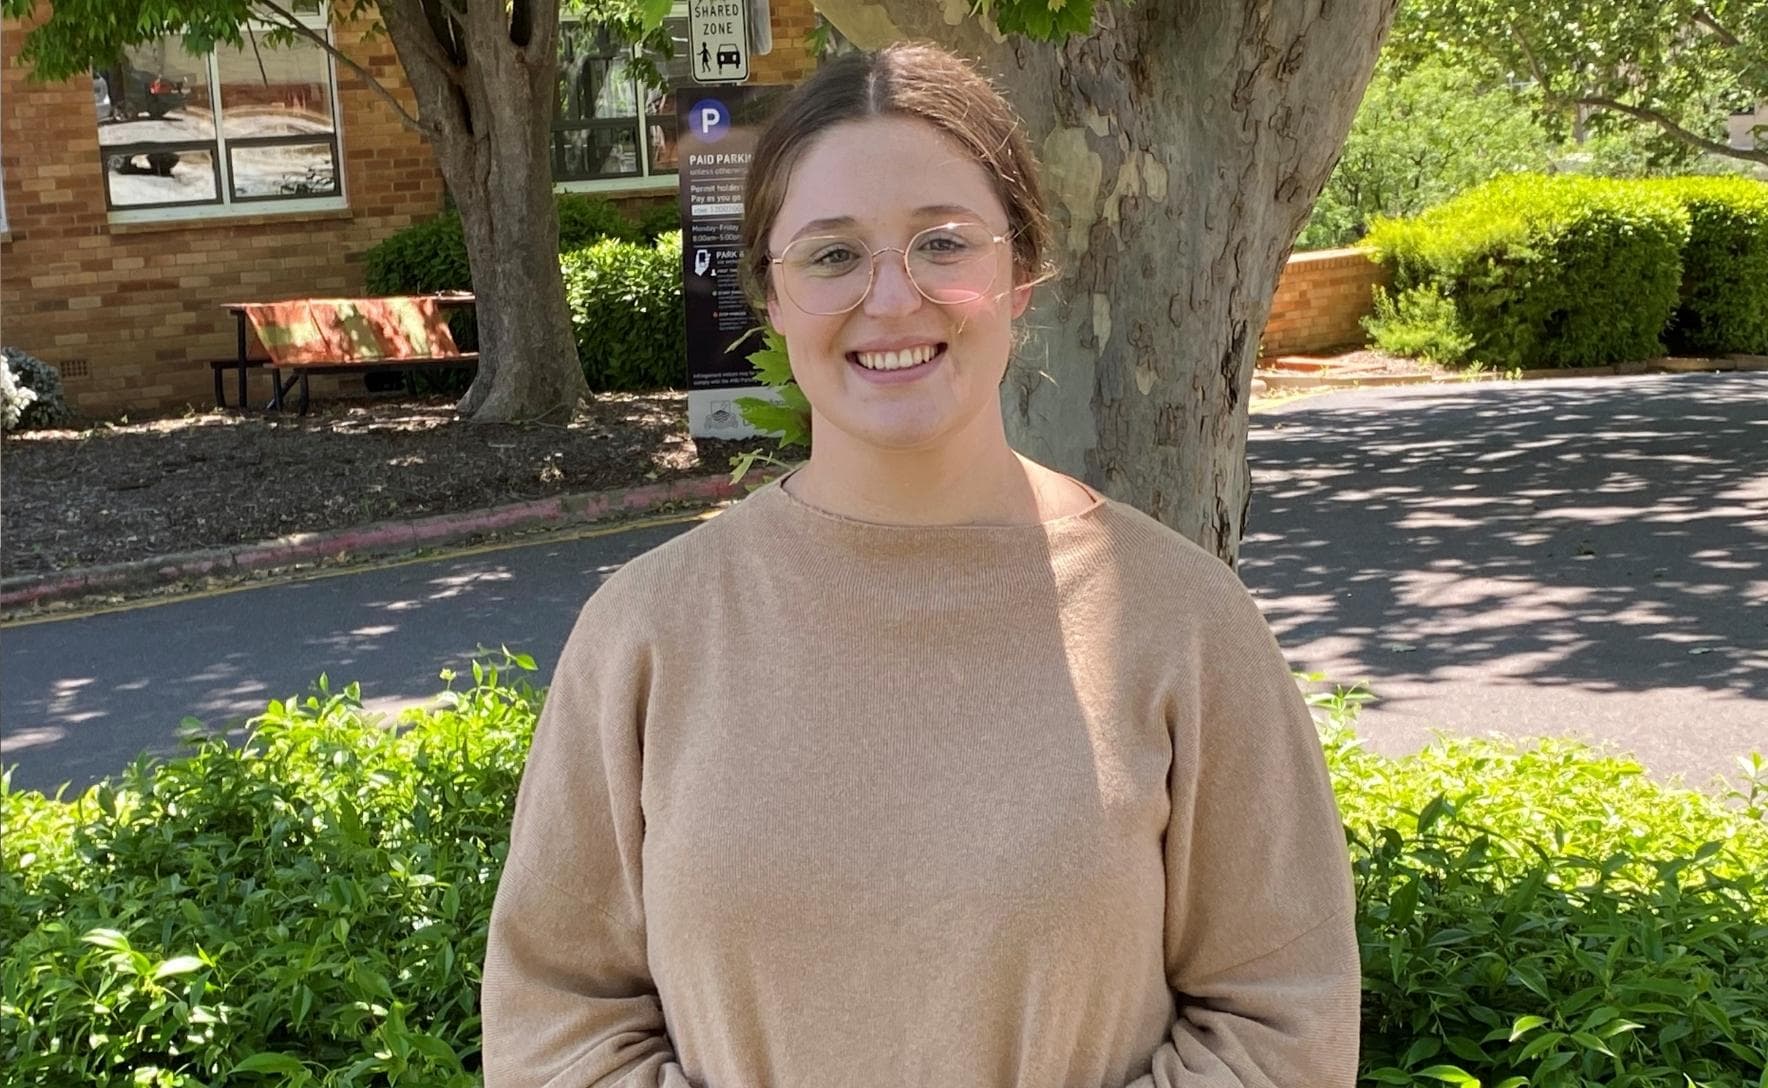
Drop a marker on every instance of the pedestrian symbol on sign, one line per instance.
(718, 40)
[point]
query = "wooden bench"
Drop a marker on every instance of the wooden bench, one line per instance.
(306, 336)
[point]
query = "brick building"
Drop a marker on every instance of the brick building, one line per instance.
(138, 199)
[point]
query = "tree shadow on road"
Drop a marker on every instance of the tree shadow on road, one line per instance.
(1608, 536)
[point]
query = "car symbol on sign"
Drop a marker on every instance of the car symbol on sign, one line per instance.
(728, 55)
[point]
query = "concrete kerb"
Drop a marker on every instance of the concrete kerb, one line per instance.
(1276, 381)
(379, 539)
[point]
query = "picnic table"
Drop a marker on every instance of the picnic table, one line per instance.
(307, 336)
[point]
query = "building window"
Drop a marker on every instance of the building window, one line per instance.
(613, 128)
(243, 125)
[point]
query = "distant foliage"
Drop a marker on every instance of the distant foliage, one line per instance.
(1541, 272)
(1421, 136)
(32, 393)
(432, 256)
(1530, 271)
(14, 399)
(626, 312)
(1724, 298)
(658, 220)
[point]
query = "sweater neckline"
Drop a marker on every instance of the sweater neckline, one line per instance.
(812, 517)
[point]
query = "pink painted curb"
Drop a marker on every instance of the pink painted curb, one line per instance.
(381, 538)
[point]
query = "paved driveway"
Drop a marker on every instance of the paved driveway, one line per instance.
(1571, 557)
(1587, 557)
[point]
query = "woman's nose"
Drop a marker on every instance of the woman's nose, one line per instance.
(892, 293)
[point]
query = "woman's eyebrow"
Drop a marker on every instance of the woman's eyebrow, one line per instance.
(848, 222)
(825, 224)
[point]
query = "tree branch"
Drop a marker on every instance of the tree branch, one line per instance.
(375, 85)
(1669, 125)
(1704, 17)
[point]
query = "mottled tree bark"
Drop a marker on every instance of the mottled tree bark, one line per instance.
(485, 82)
(1183, 144)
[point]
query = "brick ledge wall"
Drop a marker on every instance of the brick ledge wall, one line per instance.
(1321, 300)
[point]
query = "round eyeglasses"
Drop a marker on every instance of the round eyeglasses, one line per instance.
(829, 274)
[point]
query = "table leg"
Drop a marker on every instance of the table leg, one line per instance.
(244, 404)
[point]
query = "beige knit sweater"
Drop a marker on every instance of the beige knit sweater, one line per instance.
(819, 803)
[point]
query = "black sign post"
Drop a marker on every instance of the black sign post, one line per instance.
(718, 129)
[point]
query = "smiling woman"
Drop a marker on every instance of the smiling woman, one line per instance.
(925, 765)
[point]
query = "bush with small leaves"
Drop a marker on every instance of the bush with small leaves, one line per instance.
(626, 312)
(1541, 271)
(311, 907)
(46, 404)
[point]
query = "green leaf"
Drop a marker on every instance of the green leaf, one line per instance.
(1450, 1074)
(270, 1062)
(108, 939)
(177, 965)
(1524, 1025)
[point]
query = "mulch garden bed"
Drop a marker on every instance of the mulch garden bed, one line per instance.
(146, 487)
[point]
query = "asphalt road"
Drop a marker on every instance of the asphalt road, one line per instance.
(80, 698)
(1565, 557)
(1550, 558)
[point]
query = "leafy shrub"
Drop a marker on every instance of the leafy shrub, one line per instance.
(1421, 136)
(14, 399)
(312, 908)
(1543, 272)
(1421, 324)
(658, 220)
(1724, 297)
(586, 220)
(625, 301)
(432, 256)
(1545, 914)
(36, 398)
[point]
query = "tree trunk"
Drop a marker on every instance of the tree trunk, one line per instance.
(1183, 145)
(485, 84)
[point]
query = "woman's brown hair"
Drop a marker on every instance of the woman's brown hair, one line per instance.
(907, 80)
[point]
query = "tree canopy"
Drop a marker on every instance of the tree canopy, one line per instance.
(1677, 65)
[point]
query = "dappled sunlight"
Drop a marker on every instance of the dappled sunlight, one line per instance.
(1548, 533)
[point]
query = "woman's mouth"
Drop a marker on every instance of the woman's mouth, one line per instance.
(904, 364)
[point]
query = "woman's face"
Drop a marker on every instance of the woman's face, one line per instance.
(885, 182)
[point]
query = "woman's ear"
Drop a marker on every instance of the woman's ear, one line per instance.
(1021, 299)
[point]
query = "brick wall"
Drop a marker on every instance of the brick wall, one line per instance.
(1321, 299)
(128, 311)
(790, 61)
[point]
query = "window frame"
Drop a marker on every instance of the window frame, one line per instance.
(643, 181)
(226, 205)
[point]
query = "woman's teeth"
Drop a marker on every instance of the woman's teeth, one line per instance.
(896, 360)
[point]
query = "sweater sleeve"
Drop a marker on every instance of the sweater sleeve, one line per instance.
(1261, 945)
(568, 1001)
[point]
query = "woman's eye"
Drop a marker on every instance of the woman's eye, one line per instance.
(943, 245)
(834, 257)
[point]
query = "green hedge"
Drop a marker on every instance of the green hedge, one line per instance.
(622, 285)
(1724, 298)
(432, 255)
(312, 909)
(1541, 272)
(625, 301)
(1531, 271)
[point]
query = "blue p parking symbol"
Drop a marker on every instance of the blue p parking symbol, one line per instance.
(710, 119)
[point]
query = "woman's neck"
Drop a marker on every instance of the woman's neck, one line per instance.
(992, 486)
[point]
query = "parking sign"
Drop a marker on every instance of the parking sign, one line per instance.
(718, 40)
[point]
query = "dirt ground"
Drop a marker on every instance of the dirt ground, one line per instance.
(155, 486)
